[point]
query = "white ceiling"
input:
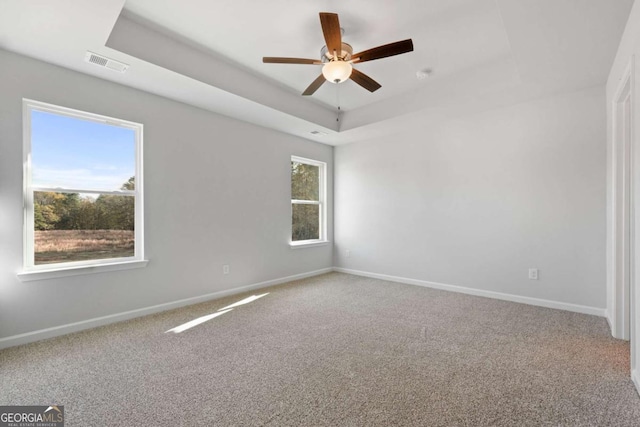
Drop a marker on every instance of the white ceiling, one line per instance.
(451, 35)
(484, 53)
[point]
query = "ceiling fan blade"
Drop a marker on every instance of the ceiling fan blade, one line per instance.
(314, 86)
(331, 30)
(278, 60)
(365, 81)
(384, 51)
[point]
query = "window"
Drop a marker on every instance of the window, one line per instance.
(308, 210)
(83, 189)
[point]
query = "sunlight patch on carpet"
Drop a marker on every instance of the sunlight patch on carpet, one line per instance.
(196, 322)
(247, 300)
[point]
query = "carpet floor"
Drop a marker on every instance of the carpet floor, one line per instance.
(334, 350)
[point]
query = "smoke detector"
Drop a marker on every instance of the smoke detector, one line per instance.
(103, 61)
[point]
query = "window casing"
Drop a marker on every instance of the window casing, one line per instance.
(308, 202)
(113, 211)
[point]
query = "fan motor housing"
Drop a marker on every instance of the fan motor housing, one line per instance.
(345, 55)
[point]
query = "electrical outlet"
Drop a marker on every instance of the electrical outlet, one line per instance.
(225, 269)
(347, 253)
(533, 274)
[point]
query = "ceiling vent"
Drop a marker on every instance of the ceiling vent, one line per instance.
(317, 132)
(103, 61)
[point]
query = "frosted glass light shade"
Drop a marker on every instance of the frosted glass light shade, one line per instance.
(337, 71)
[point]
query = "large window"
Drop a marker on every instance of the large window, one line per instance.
(83, 189)
(308, 211)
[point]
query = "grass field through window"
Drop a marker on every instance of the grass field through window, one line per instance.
(54, 246)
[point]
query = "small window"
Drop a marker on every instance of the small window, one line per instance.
(83, 189)
(308, 210)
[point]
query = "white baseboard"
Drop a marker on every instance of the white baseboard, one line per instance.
(607, 315)
(113, 318)
(118, 317)
(481, 293)
(635, 376)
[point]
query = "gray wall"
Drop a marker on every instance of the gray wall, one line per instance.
(476, 201)
(472, 201)
(217, 192)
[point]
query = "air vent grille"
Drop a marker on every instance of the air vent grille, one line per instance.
(98, 60)
(103, 61)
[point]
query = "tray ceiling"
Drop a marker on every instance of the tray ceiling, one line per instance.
(483, 54)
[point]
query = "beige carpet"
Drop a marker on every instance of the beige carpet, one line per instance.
(335, 350)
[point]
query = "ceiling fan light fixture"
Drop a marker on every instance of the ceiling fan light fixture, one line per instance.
(340, 57)
(337, 71)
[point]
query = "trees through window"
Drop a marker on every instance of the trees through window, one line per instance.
(307, 200)
(83, 196)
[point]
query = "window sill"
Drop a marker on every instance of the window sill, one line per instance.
(28, 276)
(308, 244)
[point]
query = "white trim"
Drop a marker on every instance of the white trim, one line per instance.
(28, 232)
(308, 161)
(83, 115)
(105, 320)
(481, 293)
(305, 202)
(45, 271)
(139, 197)
(635, 377)
(53, 273)
(607, 315)
(321, 202)
(308, 243)
(622, 170)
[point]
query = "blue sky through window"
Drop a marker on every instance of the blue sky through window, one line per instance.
(67, 152)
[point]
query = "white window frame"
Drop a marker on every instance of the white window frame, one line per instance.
(322, 193)
(35, 272)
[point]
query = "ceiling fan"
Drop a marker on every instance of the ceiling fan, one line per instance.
(337, 57)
